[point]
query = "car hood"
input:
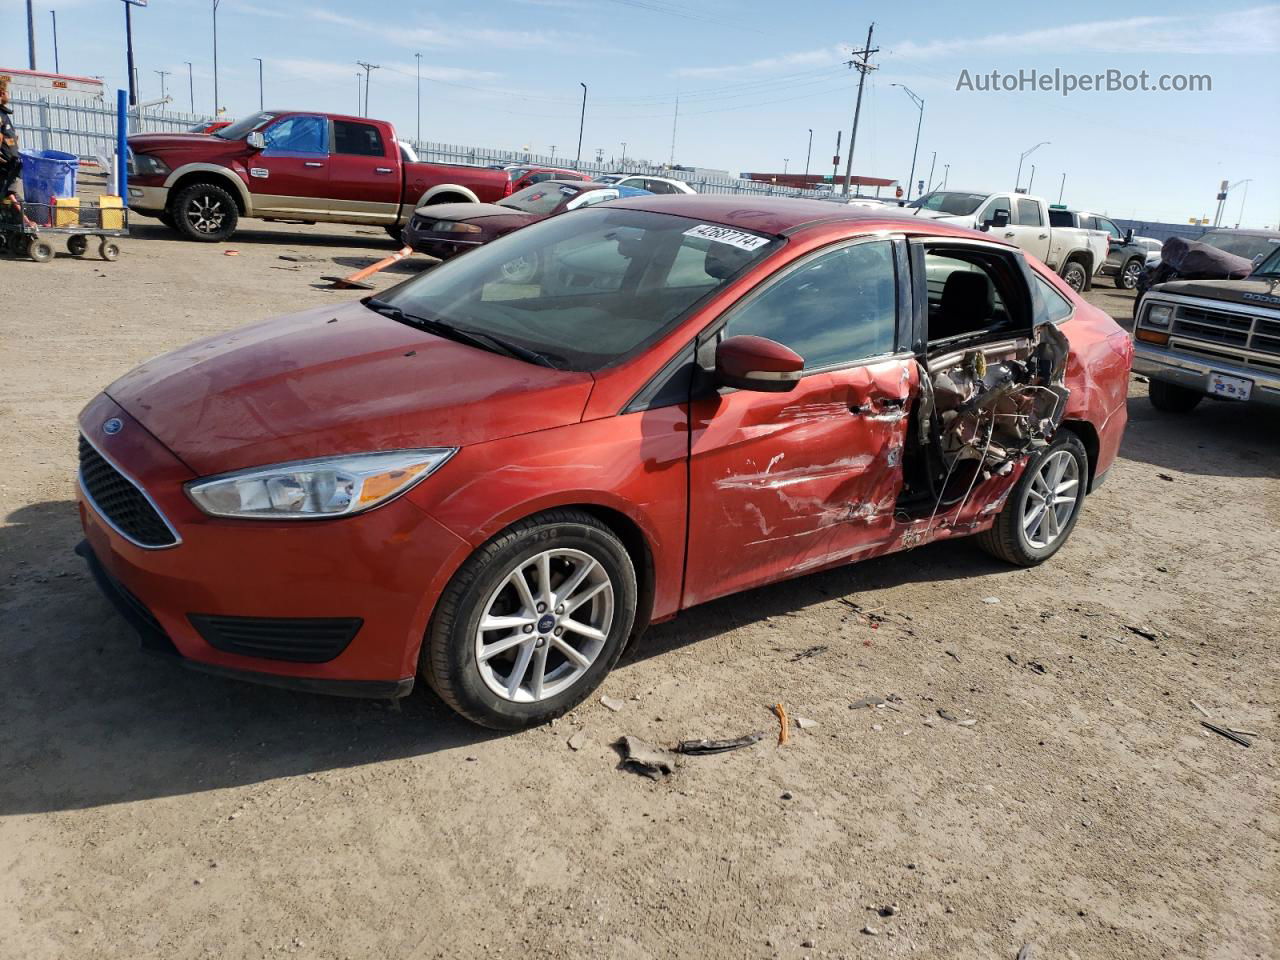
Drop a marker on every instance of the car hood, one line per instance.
(338, 380)
(1261, 291)
(472, 211)
(148, 142)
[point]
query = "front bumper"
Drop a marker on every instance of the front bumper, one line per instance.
(437, 245)
(385, 568)
(1190, 371)
(148, 200)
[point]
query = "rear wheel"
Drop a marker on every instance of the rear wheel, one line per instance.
(1042, 509)
(205, 212)
(532, 622)
(1075, 275)
(77, 244)
(1171, 398)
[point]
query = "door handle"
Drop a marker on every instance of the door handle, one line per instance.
(384, 170)
(892, 401)
(312, 163)
(1044, 236)
(1008, 233)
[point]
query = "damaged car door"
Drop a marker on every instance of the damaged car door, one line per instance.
(781, 483)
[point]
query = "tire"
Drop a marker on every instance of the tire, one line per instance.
(41, 251)
(1127, 276)
(395, 233)
(77, 244)
(1017, 537)
(109, 250)
(485, 588)
(1171, 398)
(204, 212)
(1075, 275)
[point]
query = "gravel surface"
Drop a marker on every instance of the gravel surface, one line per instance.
(1035, 775)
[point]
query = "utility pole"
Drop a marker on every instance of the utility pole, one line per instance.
(1032, 178)
(1240, 215)
(623, 161)
(31, 37)
(128, 38)
(582, 121)
(835, 161)
(1062, 186)
(785, 161)
(862, 63)
(215, 57)
(807, 154)
(929, 182)
(56, 67)
(162, 74)
(191, 85)
(671, 161)
(919, 102)
(359, 92)
(259, 59)
(946, 172)
(368, 69)
(418, 58)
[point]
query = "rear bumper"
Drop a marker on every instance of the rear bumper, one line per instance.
(1192, 372)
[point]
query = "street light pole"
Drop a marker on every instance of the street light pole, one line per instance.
(1031, 179)
(259, 59)
(31, 36)
(418, 58)
(807, 154)
(56, 67)
(785, 161)
(191, 85)
(162, 74)
(946, 172)
(919, 102)
(1062, 186)
(1240, 215)
(1026, 153)
(623, 161)
(582, 120)
(215, 57)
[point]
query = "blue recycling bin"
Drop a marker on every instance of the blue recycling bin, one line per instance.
(47, 174)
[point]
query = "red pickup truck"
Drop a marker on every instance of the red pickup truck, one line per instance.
(294, 166)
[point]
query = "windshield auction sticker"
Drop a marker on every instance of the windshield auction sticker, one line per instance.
(735, 238)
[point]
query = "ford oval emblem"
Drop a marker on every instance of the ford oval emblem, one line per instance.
(113, 426)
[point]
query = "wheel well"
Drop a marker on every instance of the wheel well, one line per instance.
(446, 198)
(633, 539)
(202, 176)
(1088, 436)
(1085, 259)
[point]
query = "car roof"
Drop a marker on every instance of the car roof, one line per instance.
(786, 215)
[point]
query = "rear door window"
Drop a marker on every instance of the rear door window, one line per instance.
(1057, 306)
(357, 139)
(1029, 214)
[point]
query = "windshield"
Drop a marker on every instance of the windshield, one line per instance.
(953, 204)
(1269, 267)
(242, 128)
(1242, 245)
(541, 197)
(586, 290)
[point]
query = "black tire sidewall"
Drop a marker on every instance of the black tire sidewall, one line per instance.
(455, 639)
(181, 219)
(1072, 267)
(1065, 440)
(1120, 275)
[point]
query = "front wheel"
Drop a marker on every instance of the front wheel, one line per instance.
(1127, 276)
(205, 212)
(1043, 506)
(532, 622)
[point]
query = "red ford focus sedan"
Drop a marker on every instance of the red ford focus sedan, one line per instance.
(494, 483)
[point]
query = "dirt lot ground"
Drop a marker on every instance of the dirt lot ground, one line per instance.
(149, 812)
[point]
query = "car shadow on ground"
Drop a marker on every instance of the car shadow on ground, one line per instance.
(88, 720)
(410, 266)
(378, 241)
(1243, 439)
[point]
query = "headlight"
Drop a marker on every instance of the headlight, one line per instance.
(1158, 315)
(452, 226)
(144, 165)
(328, 487)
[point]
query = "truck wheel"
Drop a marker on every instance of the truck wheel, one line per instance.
(532, 621)
(1075, 275)
(205, 212)
(1042, 508)
(1127, 275)
(1171, 398)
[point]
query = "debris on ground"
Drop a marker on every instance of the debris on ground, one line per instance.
(1229, 734)
(645, 759)
(804, 723)
(702, 748)
(1036, 666)
(810, 652)
(953, 655)
(990, 599)
(889, 910)
(866, 702)
(1206, 713)
(1142, 632)
(611, 703)
(946, 714)
(1165, 476)
(578, 740)
(870, 931)
(1026, 952)
(784, 731)
(1244, 733)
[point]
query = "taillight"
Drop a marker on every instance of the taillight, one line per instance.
(506, 191)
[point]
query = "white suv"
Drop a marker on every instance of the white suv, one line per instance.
(641, 181)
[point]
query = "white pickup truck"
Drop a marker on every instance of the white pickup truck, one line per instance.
(1076, 254)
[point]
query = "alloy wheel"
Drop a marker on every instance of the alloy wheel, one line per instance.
(544, 625)
(1075, 277)
(206, 214)
(1130, 276)
(1050, 499)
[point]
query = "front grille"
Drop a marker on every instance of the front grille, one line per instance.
(302, 640)
(120, 502)
(1240, 338)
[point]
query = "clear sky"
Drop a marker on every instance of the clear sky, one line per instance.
(752, 78)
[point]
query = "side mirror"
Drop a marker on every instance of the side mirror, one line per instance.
(1128, 236)
(755, 363)
(256, 140)
(1001, 219)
